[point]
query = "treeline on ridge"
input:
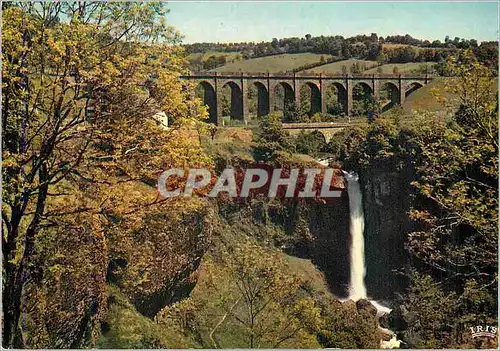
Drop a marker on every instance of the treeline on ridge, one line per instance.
(391, 49)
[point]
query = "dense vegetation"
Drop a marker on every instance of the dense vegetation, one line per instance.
(93, 257)
(80, 153)
(454, 172)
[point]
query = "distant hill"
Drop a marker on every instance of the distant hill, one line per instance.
(336, 67)
(203, 56)
(273, 64)
(200, 61)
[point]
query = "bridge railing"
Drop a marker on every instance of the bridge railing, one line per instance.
(303, 75)
(316, 125)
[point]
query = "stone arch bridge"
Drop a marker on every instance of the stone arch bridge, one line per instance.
(399, 87)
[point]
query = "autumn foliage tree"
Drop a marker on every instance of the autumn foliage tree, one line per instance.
(254, 290)
(81, 82)
(457, 237)
(452, 163)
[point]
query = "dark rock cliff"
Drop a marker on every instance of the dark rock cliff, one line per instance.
(386, 202)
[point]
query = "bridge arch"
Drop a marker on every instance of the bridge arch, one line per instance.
(262, 97)
(310, 97)
(335, 98)
(411, 87)
(230, 81)
(232, 100)
(283, 96)
(322, 136)
(362, 97)
(389, 95)
(206, 91)
(367, 87)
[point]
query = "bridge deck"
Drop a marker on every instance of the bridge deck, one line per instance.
(262, 75)
(316, 125)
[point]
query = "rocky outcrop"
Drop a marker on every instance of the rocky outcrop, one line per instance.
(386, 201)
(329, 250)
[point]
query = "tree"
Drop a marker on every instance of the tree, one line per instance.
(349, 325)
(293, 113)
(310, 143)
(457, 235)
(210, 63)
(77, 103)
(257, 293)
(382, 58)
(275, 43)
(487, 54)
(356, 68)
(271, 139)
(221, 60)
(464, 186)
(428, 326)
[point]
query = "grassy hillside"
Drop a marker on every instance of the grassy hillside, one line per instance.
(336, 67)
(392, 46)
(197, 60)
(402, 67)
(203, 56)
(212, 323)
(273, 64)
(125, 328)
(425, 97)
(231, 143)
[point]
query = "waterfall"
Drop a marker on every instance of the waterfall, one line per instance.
(357, 289)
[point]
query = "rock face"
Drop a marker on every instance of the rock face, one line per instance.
(329, 225)
(386, 201)
(364, 304)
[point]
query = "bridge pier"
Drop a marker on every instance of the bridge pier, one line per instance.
(376, 88)
(244, 99)
(270, 93)
(322, 91)
(296, 90)
(348, 97)
(402, 91)
(215, 82)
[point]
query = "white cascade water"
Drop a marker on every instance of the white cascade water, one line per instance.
(357, 288)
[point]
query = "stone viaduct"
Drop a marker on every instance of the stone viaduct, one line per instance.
(399, 86)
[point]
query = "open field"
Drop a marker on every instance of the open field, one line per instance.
(336, 67)
(402, 67)
(203, 56)
(273, 64)
(390, 46)
(425, 98)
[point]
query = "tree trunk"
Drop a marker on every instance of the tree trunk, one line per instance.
(16, 277)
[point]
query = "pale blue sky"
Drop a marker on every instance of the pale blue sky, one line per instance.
(262, 21)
